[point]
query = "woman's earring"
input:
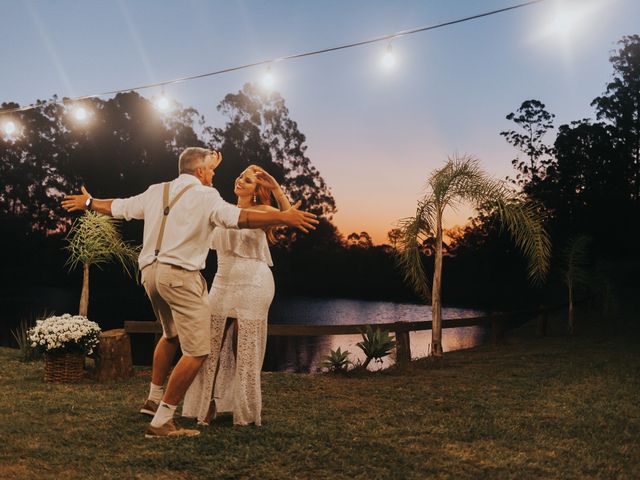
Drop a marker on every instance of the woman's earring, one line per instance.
(255, 199)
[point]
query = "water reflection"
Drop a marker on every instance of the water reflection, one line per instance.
(304, 354)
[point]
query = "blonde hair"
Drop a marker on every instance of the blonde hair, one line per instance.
(263, 197)
(191, 158)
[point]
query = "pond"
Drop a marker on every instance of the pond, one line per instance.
(304, 354)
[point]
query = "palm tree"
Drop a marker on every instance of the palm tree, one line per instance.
(462, 180)
(575, 259)
(94, 239)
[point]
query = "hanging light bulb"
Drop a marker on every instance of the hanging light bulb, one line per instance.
(162, 102)
(10, 128)
(568, 19)
(80, 114)
(268, 80)
(388, 59)
(565, 20)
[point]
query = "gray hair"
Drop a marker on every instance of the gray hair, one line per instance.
(192, 158)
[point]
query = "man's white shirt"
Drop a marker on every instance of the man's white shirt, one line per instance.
(190, 223)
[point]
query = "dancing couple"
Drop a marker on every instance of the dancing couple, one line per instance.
(221, 360)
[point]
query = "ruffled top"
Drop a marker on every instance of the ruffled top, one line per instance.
(245, 243)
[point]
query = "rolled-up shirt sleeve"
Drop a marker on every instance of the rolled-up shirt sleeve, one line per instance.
(128, 208)
(223, 214)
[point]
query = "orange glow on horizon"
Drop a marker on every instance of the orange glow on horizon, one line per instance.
(378, 228)
(376, 184)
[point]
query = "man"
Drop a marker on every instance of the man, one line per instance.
(175, 245)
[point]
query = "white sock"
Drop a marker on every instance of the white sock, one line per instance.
(156, 392)
(163, 414)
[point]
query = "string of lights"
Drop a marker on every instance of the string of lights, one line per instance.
(388, 60)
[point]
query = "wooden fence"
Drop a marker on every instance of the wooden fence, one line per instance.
(499, 322)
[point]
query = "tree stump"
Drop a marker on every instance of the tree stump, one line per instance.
(113, 356)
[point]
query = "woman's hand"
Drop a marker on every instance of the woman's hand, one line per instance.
(266, 180)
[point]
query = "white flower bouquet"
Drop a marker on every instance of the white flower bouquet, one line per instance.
(65, 334)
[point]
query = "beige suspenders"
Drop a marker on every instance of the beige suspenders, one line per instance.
(166, 208)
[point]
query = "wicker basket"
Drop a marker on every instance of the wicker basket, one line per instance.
(63, 367)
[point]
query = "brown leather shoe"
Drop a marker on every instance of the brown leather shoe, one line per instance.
(149, 407)
(170, 429)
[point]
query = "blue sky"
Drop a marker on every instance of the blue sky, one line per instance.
(374, 135)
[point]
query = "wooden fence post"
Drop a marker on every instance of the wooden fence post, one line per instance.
(541, 322)
(403, 346)
(497, 328)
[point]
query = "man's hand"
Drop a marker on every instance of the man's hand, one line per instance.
(71, 203)
(299, 219)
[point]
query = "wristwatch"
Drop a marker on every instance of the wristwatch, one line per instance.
(88, 203)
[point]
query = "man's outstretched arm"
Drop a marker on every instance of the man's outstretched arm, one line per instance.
(292, 217)
(71, 203)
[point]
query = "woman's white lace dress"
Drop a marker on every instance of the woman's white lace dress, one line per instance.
(243, 289)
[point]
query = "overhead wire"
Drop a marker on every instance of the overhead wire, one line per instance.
(384, 38)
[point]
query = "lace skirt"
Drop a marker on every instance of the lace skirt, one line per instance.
(242, 289)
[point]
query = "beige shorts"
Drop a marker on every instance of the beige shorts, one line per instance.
(179, 299)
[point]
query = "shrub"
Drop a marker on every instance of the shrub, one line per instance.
(337, 361)
(376, 344)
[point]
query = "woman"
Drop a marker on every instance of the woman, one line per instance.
(229, 380)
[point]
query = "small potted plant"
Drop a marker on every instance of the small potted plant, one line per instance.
(65, 341)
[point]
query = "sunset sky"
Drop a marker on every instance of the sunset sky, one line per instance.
(374, 134)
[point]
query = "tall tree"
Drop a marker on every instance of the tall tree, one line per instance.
(619, 107)
(534, 121)
(462, 180)
(586, 181)
(260, 131)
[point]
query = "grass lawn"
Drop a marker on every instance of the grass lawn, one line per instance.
(555, 407)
